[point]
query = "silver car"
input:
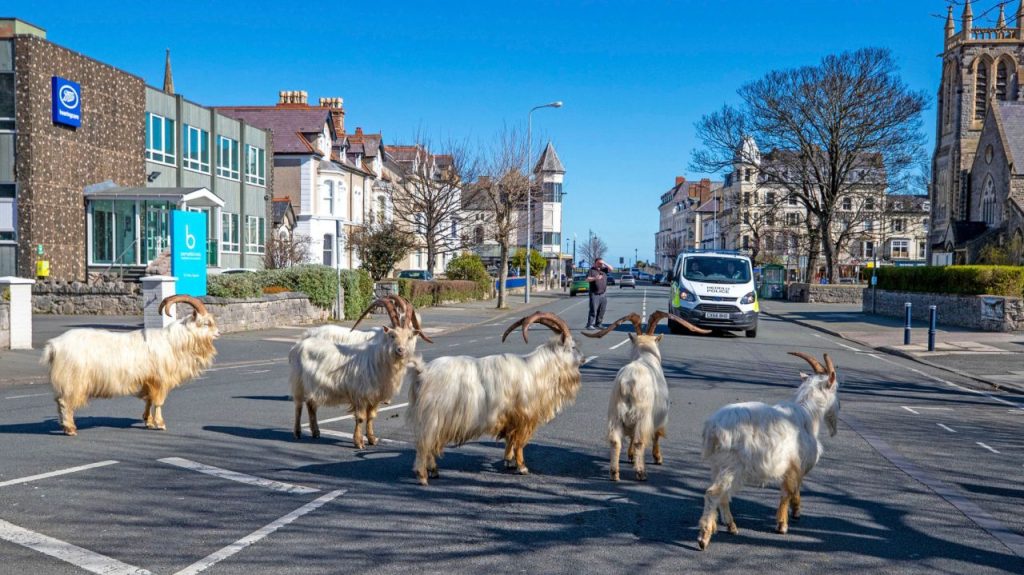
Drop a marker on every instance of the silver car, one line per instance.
(627, 280)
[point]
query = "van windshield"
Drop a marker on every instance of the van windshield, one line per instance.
(716, 270)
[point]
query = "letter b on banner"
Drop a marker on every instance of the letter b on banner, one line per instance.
(188, 252)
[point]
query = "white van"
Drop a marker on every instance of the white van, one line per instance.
(714, 289)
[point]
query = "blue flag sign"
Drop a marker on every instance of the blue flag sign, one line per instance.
(188, 252)
(67, 102)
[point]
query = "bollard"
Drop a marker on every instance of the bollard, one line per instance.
(906, 328)
(932, 317)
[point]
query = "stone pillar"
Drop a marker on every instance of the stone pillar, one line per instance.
(156, 289)
(21, 310)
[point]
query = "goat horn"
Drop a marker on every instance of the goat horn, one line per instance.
(197, 305)
(388, 305)
(632, 318)
(410, 316)
(544, 318)
(814, 363)
(829, 365)
(656, 317)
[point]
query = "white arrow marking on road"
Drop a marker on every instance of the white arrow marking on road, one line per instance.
(73, 554)
(986, 447)
(56, 473)
(350, 416)
(236, 476)
(218, 556)
(946, 427)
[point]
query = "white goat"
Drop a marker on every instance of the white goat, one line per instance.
(638, 408)
(342, 335)
(88, 363)
(362, 373)
(456, 399)
(756, 444)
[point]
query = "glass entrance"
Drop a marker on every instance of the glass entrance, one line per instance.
(113, 232)
(157, 229)
(212, 251)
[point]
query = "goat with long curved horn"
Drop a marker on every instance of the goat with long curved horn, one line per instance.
(544, 318)
(410, 317)
(632, 318)
(815, 365)
(196, 303)
(388, 304)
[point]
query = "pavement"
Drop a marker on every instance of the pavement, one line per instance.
(923, 476)
(994, 358)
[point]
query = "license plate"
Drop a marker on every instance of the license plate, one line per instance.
(716, 315)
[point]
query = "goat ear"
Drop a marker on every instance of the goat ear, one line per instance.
(657, 338)
(386, 329)
(831, 380)
(632, 337)
(803, 376)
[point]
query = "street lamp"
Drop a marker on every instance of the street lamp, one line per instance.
(529, 190)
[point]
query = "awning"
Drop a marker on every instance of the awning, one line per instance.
(183, 197)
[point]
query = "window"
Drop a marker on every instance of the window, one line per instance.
(746, 198)
(792, 199)
(229, 232)
(327, 197)
(769, 219)
(551, 238)
(899, 224)
(478, 235)
(455, 228)
(255, 234)
(869, 204)
(900, 249)
(847, 204)
(920, 249)
(328, 250)
(159, 139)
(552, 192)
(195, 149)
(868, 250)
(746, 242)
(980, 90)
(869, 226)
(227, 158)
(792, 219)
(988, 202)
(255, 165)
(382, 210)
(1001, 80)
(769, 198)
(746, 175)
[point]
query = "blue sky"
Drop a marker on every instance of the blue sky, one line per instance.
(634, 76)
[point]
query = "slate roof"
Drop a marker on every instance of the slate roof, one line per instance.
(279, 209)
(549, 162)
(1012, 123)
(288, 124)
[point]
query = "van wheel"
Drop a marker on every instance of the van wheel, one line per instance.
(752, 332)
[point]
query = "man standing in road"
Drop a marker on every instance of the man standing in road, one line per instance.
(598, 278)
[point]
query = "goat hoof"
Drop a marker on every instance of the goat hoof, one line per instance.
(795, 518)
(510, 464)
(615, 475)
(659, 460)
(150, 425)
(70, 431)
(523, 470)
(733, 530)
(422, 478)
(782, 528)
(641, 475)
(434, 473)
(372, 440)
(705, 537)
(161, 426)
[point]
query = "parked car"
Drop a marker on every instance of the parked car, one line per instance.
(613, 278)
(659, 279)
(627, 280)
(847, 280)
(579, 285)
(415, 275)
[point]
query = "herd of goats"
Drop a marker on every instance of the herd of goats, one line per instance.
(455, 399)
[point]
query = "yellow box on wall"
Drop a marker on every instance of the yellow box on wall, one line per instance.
(43, 269)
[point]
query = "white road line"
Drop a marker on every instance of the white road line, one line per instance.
(986, 447)
(347, 435)
(910, 410)
(951, 384)
(236, 476)
(280, 339)
(244, 364)
(350, 416)
(946, 427)
(257, 371)
(840, 344)
(218, 556)
(73, 554)
(620, 344)
(56, 473)
(453, 345)
(473, 341)
(24, 396)
(589, 359)
(570, 306)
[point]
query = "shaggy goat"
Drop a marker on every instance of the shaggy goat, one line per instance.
(638, 408)
(362, 372)
(149, 363)
(757, 444)
(456, 399)
(342, 335)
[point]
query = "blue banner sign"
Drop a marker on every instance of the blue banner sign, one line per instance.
(67, 102)
(188, 252)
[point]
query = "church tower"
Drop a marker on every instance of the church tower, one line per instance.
(979, 67)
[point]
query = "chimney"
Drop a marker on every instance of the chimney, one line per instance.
(337, 108)
(168, 78)
(292, 98)
(359, 131)
(680, 180)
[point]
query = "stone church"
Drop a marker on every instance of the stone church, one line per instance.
(978, 167)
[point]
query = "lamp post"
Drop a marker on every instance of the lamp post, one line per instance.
(529, 190)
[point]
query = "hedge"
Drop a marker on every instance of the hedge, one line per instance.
(469, 267)
(431, 293)
(358, 291)
(319, 283)
(961, 280)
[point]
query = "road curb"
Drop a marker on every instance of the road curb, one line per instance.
(1001, 386)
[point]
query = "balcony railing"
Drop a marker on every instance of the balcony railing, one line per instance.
(984, 35)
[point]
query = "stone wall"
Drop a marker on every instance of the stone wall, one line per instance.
(984, 312)
(232, 315)
(105, 297)
(828, 293)
(5, 325)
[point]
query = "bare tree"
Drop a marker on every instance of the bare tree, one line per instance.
(286, 251)
(380, 246)
(835, 130)
(593, 248)
(429, 197)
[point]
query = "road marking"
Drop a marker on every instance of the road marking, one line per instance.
(951, 384)
(24, 396)
(218, 556)
(620, 344)
(56, 473)
(986, 447)
(453, 345)
(570, 306)
(241, 364)
(926, 408)
(280, 339)
(73, 554)
(589, 359)
(350, 416)
(257, 371)
(473, 341)
(946, 427)
(910, 410)
(840, 344)
(347, 435)
(236, 476)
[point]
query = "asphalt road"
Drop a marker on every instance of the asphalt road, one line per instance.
(923, 477)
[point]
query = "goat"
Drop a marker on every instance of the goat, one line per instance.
(456, 399)
(88, 363)
(342, 335)
(361, 372)
(638, 408)
(757, 444)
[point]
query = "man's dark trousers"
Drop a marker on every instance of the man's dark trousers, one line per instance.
(597, 305)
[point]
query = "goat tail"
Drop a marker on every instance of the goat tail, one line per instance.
(47, 358)
(413, 377)
(711, 437)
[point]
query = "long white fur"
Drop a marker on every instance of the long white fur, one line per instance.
(90, 363)
(638, 408)
(356, 368)
(758, 444)
(455, 399)
(341, 335)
